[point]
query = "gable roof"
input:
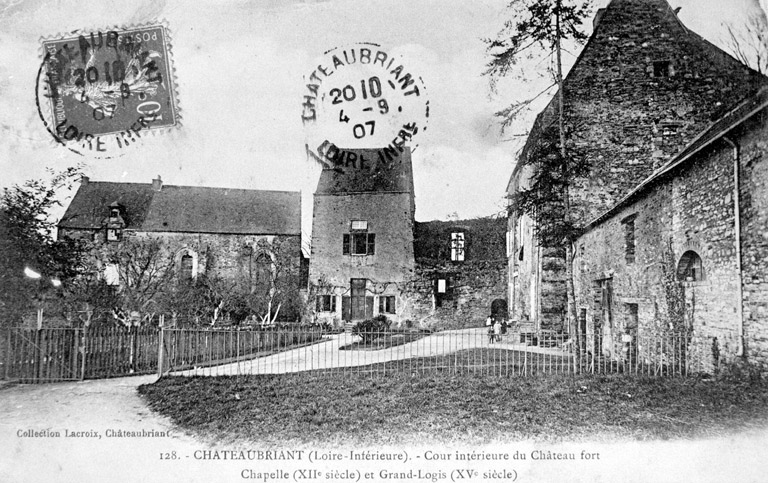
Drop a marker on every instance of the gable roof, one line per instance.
(376, 175)
(618, 18)
(715, 131)
(188, 209)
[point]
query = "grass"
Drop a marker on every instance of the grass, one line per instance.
(405, 408)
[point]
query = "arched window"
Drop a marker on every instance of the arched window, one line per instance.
(263, 269)
(690, 268)
(185, 269)
(186, 264)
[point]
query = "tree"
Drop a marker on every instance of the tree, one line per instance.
(145, 270)
(546, 24)
(749, 42)
(27, 242)
(272, 282)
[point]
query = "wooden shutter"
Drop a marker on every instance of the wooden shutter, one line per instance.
(371, 244)
(333, 303)
(318, 303)
(346, 308)
(345, 245)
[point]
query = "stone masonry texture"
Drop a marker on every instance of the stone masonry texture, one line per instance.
(643, 87)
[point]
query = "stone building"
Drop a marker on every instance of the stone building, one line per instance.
(221, 232)
(370, 256)
(643, 87)
(694, 235)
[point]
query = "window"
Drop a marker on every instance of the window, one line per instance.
(359, 225)
(113, 234)
(443, 290)
(690, 268)
(387, 304)
(441, 285)
(457, 247)
(661, 68)
(326, 303)
(629, 238)
(359, 244)
(112, 274)
(632, 317)
(263, 270)
(521, 254)
(185, 271)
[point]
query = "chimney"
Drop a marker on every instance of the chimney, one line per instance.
(157, 184)
(84, 180)
(598, 17)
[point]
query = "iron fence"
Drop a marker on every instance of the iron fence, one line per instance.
(472, 351)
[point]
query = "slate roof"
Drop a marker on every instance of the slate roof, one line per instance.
(188, 209)
(381, 176)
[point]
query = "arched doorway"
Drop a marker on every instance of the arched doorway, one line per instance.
(499, 309)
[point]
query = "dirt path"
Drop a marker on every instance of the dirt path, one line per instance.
(95, 407)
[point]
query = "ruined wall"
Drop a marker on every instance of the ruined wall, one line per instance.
(472, 284)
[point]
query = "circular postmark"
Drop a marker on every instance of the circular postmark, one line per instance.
(362, 97)
(98, 93)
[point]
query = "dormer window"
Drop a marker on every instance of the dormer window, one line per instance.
(457, 247)
(115, 222)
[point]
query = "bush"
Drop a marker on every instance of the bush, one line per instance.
(370, 329)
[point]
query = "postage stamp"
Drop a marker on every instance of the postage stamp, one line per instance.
(98, 92)
(362, 97)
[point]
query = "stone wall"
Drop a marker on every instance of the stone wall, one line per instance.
(472, 287)
(754, 235)
(390, 218)
(690, 210)
(643, 87)
(472, 284)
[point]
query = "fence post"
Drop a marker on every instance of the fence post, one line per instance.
(82, 351)
(8, 358)
(160, 352)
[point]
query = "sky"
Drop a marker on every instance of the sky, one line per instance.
(240, 74)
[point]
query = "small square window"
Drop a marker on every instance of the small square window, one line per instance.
(326, 303)
(359, 225)
(661, 68)
(387, 304)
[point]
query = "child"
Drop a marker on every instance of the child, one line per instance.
(497, 330)
(489, 324)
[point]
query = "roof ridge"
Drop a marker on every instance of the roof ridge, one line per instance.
(149, 185)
